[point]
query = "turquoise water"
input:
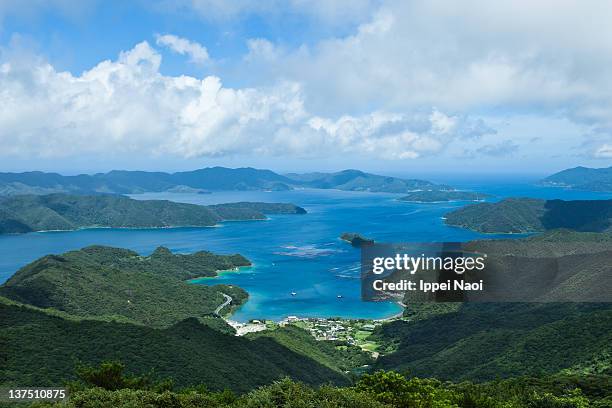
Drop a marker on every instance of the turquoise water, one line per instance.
(291, 253)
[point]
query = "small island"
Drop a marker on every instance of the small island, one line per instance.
(356, 239)
(440, 196)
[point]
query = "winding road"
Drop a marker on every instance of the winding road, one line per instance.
(228, 300)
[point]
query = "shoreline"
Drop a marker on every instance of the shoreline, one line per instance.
(218, 225)
(220, 272)
(391, 317)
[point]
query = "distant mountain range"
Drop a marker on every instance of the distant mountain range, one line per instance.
(582, 178)
(355, 180)
(28, 213)
(523, 215)
(203, 180)
(133, 182)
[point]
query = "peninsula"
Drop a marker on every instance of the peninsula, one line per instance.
(438, 196)
(527, 215)
(28, 213)
(582, 178)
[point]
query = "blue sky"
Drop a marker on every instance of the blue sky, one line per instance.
(400, 87)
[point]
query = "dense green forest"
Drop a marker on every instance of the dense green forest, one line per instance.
(42, 348)
(558, 265)
(485, 341)
(27, 213)
(336, 355)
(107, 385)
(119, 283)
(102, 303)
(521, 215)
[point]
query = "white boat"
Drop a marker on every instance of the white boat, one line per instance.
(293, 293)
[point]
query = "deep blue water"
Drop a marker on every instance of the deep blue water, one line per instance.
(291, 253)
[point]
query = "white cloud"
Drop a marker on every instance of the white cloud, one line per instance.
(549, 57)
(604, 152)
(503, 148)
(196, 52)
(128, 106)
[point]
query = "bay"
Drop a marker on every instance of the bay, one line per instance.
(290, 253)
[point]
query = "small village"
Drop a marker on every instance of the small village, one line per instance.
(351, 331)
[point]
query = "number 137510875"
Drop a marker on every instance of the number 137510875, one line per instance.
(32, 393)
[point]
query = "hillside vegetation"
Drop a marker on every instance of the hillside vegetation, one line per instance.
(523, 215)
(119, 284)
(582, 178)
(109, 385)
(101, 303)
(333, 354)
(484, 341)
(355, 180)
(188, 352)
(27, 213)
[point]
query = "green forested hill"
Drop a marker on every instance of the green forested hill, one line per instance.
(582, 178)
(118, 283)
(487, 341)
(520, 215)
(333, 354)
(355, 180)
(19, 214)
(484, 341)
(188, 352)
(103, 303)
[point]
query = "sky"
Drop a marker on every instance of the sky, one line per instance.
(399, 87)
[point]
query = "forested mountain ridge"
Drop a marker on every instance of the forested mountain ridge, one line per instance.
(483, 341)
(114, 282)
(524, 215)
(206, 179)
(356, 180)
(188, 352)
(132, 182)
(28, 213)
(582, 178)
